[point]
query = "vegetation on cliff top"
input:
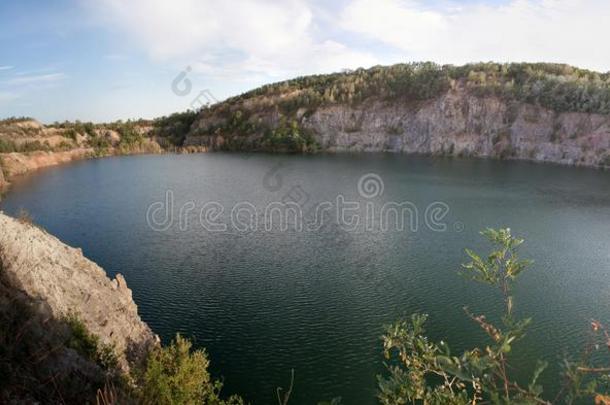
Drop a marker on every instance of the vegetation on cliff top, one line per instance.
(555, 86)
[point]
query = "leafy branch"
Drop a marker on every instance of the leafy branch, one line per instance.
(420, 371)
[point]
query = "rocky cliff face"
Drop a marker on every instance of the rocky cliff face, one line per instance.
(457, 123)
(27, 145)
(16, 164)
(59, 281)
(3, 183)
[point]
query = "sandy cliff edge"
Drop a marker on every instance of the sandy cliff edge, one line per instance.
(43, 268)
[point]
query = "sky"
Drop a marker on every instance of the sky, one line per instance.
(102, 60)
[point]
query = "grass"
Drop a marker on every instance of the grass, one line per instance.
(89, 345)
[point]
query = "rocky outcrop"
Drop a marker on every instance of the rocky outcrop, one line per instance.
(33, 133)
(3, 182)
(457, 123)
(16, 164)
(465, 125)
(27, 145)
(41, 269)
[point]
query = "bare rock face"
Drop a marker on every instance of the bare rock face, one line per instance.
(461, 124)
(111, 136)
(3, 182)
(457, 123)
(41, 267)
(16, 164)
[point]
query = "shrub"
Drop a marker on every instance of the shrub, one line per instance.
(7, 146)
(176, 375)
(14, 120)
(99, 142)
(129, 134)
(427, 372)
(89, 345)
(175, 127)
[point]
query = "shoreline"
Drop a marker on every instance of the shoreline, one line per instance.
(21, 164)
(16, 164)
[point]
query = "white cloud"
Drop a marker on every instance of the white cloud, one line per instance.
(570, 31)
(5, 67)
(248, 37)
(36, 79)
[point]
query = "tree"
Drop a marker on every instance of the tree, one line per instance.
(428, 373)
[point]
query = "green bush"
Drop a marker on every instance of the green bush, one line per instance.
(175, 127)
(288, 137)
(76, 127)
(99, 142)
(176, 375)
(15, 120)
(89, 345)
(70, 133)
(129, 134)
(8, 146)
(429, 373)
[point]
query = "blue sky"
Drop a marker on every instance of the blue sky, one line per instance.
(109, 59)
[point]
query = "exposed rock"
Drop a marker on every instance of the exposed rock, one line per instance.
(20, 163)
(456, 123)
(3, 182)
(111, 136)
(41, 267)
(29, 124)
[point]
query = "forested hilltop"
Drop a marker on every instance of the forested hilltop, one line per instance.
(559, 87)
(546, 112)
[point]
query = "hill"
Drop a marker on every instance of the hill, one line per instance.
(542, 112)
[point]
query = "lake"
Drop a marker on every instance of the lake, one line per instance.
(209, 252)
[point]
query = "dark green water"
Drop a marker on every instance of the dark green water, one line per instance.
(267, 301)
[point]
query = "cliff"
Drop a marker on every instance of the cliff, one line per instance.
(15, 164)
(3, 182)
(463, 125)
(45, 286)
(27, 145)
(551, 113)
(43, 268)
